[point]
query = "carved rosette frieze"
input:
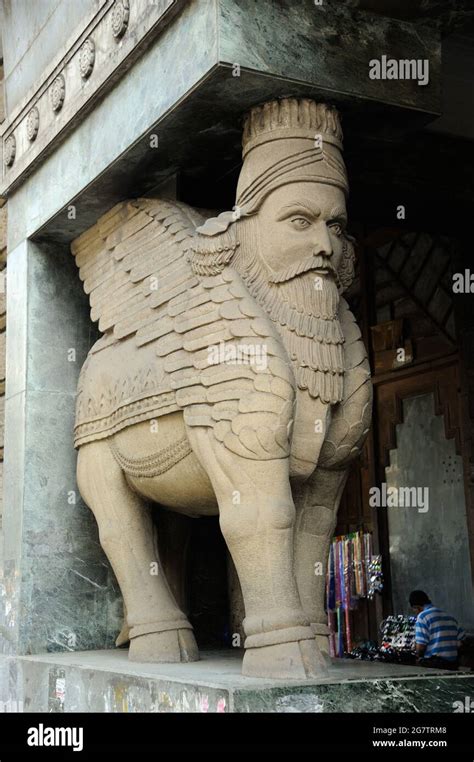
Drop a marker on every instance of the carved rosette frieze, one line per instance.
(105, 44)
(58, 93)
(32, 124)
(87, 58)
(9, 151)
(120, 18)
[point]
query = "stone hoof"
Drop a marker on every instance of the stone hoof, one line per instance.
(321, 635)
(164, 647)
(297, 660)
(322, 641)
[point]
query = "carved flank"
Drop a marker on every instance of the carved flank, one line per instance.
(152, 465)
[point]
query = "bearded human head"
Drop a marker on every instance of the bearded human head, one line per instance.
(286, 236)
(291, 194)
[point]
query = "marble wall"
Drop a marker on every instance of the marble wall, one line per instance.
(429, 544)
(58, 590)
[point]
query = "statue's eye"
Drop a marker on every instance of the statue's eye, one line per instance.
(336, 228)
(300, 223)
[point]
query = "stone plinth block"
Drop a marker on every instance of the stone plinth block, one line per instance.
(104, 681)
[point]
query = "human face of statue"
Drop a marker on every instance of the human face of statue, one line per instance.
(303, 220)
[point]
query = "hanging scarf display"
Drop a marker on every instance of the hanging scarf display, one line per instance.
(332, 634)
(353, 572)
(375, 576)
(331, 581)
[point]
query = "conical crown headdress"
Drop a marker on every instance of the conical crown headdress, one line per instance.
(284, 141)
(289, 140)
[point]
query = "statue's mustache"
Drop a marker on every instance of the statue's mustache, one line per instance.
(315, 262)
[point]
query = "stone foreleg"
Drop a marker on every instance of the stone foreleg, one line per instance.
(257, 518)
(317, 502)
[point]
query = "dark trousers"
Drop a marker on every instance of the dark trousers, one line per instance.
(437, 662)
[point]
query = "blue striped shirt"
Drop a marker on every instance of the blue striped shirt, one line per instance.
(439, 632)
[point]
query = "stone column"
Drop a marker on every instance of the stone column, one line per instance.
(58, 592)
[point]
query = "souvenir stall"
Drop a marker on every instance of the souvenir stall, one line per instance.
(355, 573)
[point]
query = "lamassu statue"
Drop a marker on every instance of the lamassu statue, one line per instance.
(230, 378)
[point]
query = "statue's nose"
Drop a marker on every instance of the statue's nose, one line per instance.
(322, 242)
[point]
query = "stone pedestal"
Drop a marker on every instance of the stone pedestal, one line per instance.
(104, 681)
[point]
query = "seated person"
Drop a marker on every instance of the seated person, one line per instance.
(437, 634)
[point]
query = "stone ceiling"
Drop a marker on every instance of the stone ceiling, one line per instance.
(449, 15)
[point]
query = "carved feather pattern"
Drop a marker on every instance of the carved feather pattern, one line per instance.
(313, 340)
(133, 253)
(176, 339)
(351, 419)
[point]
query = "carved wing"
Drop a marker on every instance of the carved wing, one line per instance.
(132, 262)
(351, 418)
(246, 398)
(161, 322)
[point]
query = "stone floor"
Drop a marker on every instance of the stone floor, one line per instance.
(105, 681)
(221, 669)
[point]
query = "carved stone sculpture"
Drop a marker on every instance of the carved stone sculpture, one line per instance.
(230, 378)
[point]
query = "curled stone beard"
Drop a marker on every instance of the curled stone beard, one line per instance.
(306, 316)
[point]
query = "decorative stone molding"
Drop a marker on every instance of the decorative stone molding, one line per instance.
(58, 93)
(120, 17)
(441, 378)
(10, 151)
(32, 124)
(94, 53)
(87, 58)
